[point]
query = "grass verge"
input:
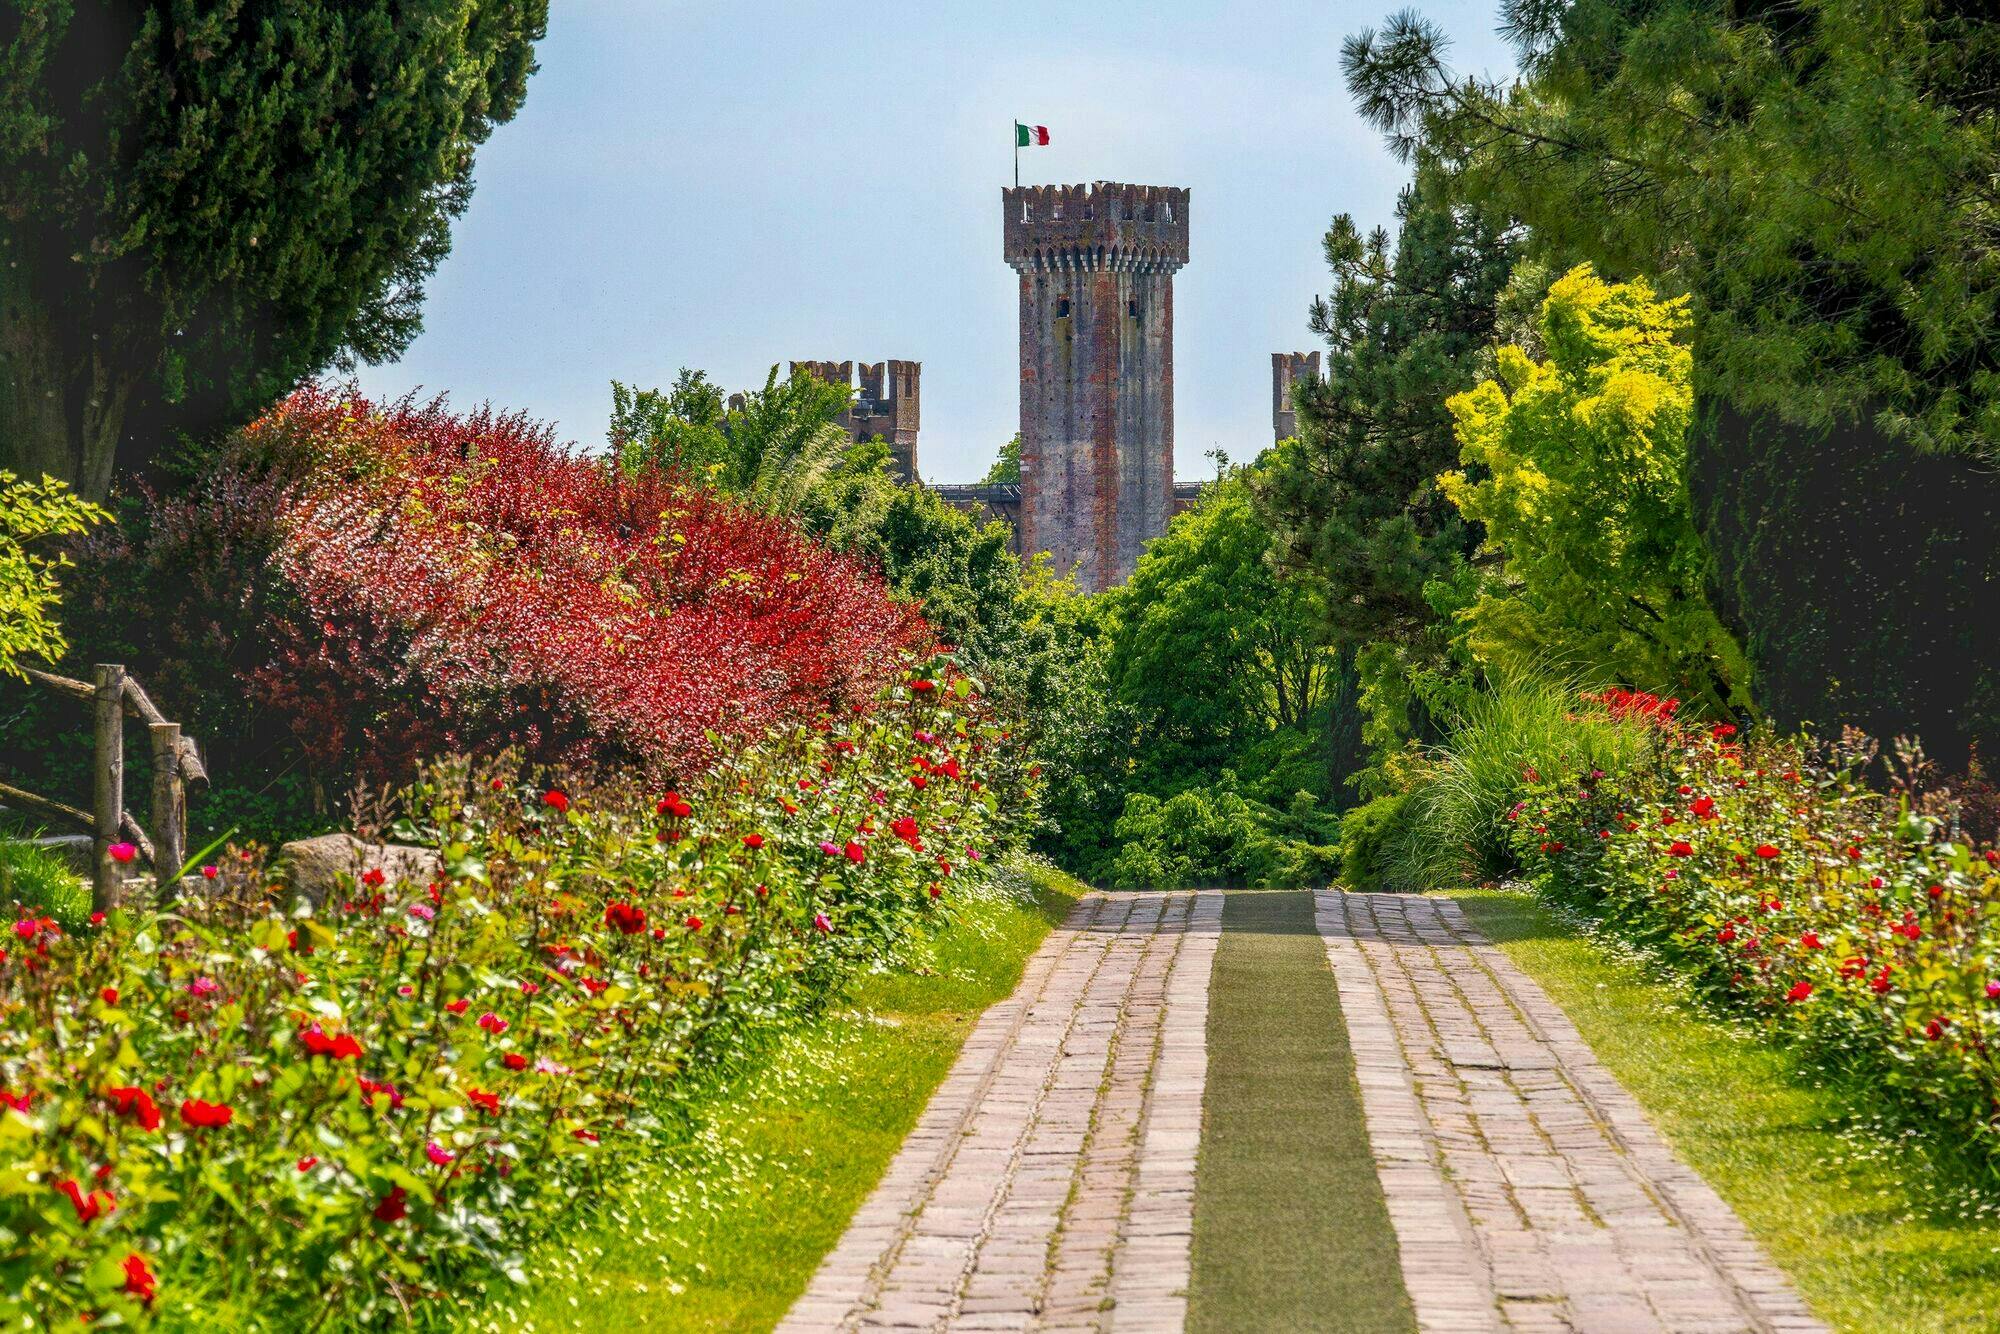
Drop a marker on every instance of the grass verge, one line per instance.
(1878, 1233)
(723, 1233)
(1290, 1231)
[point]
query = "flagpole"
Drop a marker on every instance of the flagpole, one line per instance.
(1017, 155)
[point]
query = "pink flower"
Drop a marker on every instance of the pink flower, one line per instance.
(821, 924)
(423, 912)
(204, 986)
(827, 846)
(210, 871)
(27, 927)
(121, 852)
(438, 1154)
(493, 1023)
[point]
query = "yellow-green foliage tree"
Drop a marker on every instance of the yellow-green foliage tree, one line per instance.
(1577, 468)
(30, 514)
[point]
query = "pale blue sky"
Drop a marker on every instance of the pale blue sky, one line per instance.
(727, 186)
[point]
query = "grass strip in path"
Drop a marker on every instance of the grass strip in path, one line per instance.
(1290, 1231)
(724, 1233)
(1876, 1236)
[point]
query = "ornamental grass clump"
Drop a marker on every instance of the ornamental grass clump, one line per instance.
(1770, 872)
(247, 1112)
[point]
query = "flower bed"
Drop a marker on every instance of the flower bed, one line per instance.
(238, 1114)
(1859, 923)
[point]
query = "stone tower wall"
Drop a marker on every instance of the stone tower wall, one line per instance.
(1287, 369)
(1095, 266)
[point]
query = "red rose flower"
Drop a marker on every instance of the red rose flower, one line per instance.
(206, 1115)
(486, 1101)
(319, 1044)
(626, 918)
(89, 1207)
(558, 801)
(135, 1104)
(109, 995)
(753, 841)
(139, 1279)
(513, 1060)
(854, 852)
(394, 1206)
(459, 1006)
(1766, 851)
(1681, 848)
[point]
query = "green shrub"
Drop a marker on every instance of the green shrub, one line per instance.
(1216, 837)
(41, 884)
(31, 513)
(1367, 834)
(1500, 739)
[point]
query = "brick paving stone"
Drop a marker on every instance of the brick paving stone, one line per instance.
(1527, 1189)
(1049, 1184)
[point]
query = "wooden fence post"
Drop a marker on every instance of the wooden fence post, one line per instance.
(169, 808)
(108, 808)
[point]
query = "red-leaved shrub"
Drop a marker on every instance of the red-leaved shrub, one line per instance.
(366, 585)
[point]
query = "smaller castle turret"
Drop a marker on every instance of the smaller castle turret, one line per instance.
(886, 404)
(1288, 369)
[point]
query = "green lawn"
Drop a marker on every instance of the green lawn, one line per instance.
(1878, 1234)
(1290, 1231)
(724, 1234)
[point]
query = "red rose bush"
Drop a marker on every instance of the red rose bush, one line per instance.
(1767, 870)
(242, 1111)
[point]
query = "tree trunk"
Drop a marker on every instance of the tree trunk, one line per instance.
(62, 410)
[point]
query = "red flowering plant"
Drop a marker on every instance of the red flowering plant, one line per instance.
(369, 1107)
(1774, 876)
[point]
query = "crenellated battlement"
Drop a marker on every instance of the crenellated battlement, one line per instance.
(887, 403)
(1101, 226)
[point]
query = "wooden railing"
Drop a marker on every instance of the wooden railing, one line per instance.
(176, 763)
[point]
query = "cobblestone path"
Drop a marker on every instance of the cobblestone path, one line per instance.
(1526, 1188)
(1050, 1183)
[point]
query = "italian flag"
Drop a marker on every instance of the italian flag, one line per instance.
(1030, 136)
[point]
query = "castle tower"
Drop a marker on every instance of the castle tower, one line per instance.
(886, 404)
(1096, 265)
(1287, 369)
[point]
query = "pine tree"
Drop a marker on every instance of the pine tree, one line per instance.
(1818, 179)
(202, 201)
(1355, 496)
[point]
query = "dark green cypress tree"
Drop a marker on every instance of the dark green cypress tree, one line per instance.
(203, 201)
